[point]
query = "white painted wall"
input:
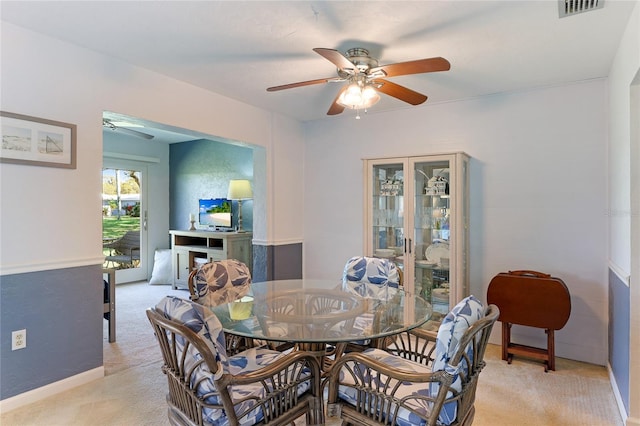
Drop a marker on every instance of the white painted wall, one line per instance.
(625, 67)
(623, 182)
(538, 192)
(285, 210)
(43, 208)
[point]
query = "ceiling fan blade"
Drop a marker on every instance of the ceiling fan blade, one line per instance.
(134, 133)
(337, 58)
(399, 92)
(335, 107)
(303, 83)
(413, 67)
(109, 125)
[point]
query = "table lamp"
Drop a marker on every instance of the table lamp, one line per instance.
(240, 189)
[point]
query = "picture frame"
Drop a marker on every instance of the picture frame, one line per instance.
(37, 141)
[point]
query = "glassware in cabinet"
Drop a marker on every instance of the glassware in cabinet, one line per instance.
(387, 210)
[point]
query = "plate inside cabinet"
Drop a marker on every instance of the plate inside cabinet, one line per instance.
(384, 253)
(436, 251)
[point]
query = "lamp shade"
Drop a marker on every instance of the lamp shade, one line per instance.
(239, 189)
(359, 96)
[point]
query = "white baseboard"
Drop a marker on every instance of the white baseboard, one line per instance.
(46, 391)
(616, 394)
(631, 421)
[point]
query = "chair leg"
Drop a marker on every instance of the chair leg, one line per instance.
(551, 350)
(506, 339)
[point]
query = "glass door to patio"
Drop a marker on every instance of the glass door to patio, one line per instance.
(124, 219)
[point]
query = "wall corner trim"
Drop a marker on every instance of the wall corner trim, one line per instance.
(625, 277)
(284, 242)
(36, 267)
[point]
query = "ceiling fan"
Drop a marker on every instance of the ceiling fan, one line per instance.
(114, 125)
(366, 78)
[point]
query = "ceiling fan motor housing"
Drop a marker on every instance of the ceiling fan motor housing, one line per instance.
(361, 59)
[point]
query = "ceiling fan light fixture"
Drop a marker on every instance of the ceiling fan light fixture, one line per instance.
(358, 97)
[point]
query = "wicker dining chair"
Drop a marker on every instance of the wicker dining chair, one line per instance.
(373, 278)
(417, 380)
(218, 282)
(206, 386)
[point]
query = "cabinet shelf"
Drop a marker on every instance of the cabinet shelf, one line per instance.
(388, 226)
(432, 266)
(439, 196)
(428, 228)
(200, 248)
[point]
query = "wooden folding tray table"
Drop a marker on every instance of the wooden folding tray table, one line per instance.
(532, 299)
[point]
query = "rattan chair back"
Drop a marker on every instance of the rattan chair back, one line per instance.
(280, 404)
(376, 383)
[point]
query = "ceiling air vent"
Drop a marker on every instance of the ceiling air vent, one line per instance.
(573, 7)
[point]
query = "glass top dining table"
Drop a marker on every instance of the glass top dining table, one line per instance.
(319, 311)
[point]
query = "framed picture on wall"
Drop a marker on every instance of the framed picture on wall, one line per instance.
(37, 141)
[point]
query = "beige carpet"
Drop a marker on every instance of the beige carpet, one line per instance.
(133, 391)
(523, 394)
(135, 344)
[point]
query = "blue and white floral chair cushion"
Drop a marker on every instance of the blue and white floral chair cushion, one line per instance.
(199, 319)
(221, 282)
(204, 323)
(370, 277)
(453, 326)
(373, 278)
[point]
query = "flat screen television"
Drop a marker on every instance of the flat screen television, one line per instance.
(215, 213)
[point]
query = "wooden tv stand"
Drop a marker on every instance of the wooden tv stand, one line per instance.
(188, 247)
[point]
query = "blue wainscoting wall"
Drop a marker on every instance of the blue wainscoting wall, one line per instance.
(62, 312)
(619, 322)
(281, 262)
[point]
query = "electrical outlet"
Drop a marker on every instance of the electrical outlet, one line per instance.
(18, 339)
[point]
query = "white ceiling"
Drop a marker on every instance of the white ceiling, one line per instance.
(239, 48)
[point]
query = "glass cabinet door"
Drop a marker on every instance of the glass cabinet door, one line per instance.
(387, 211)
(432, 232)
